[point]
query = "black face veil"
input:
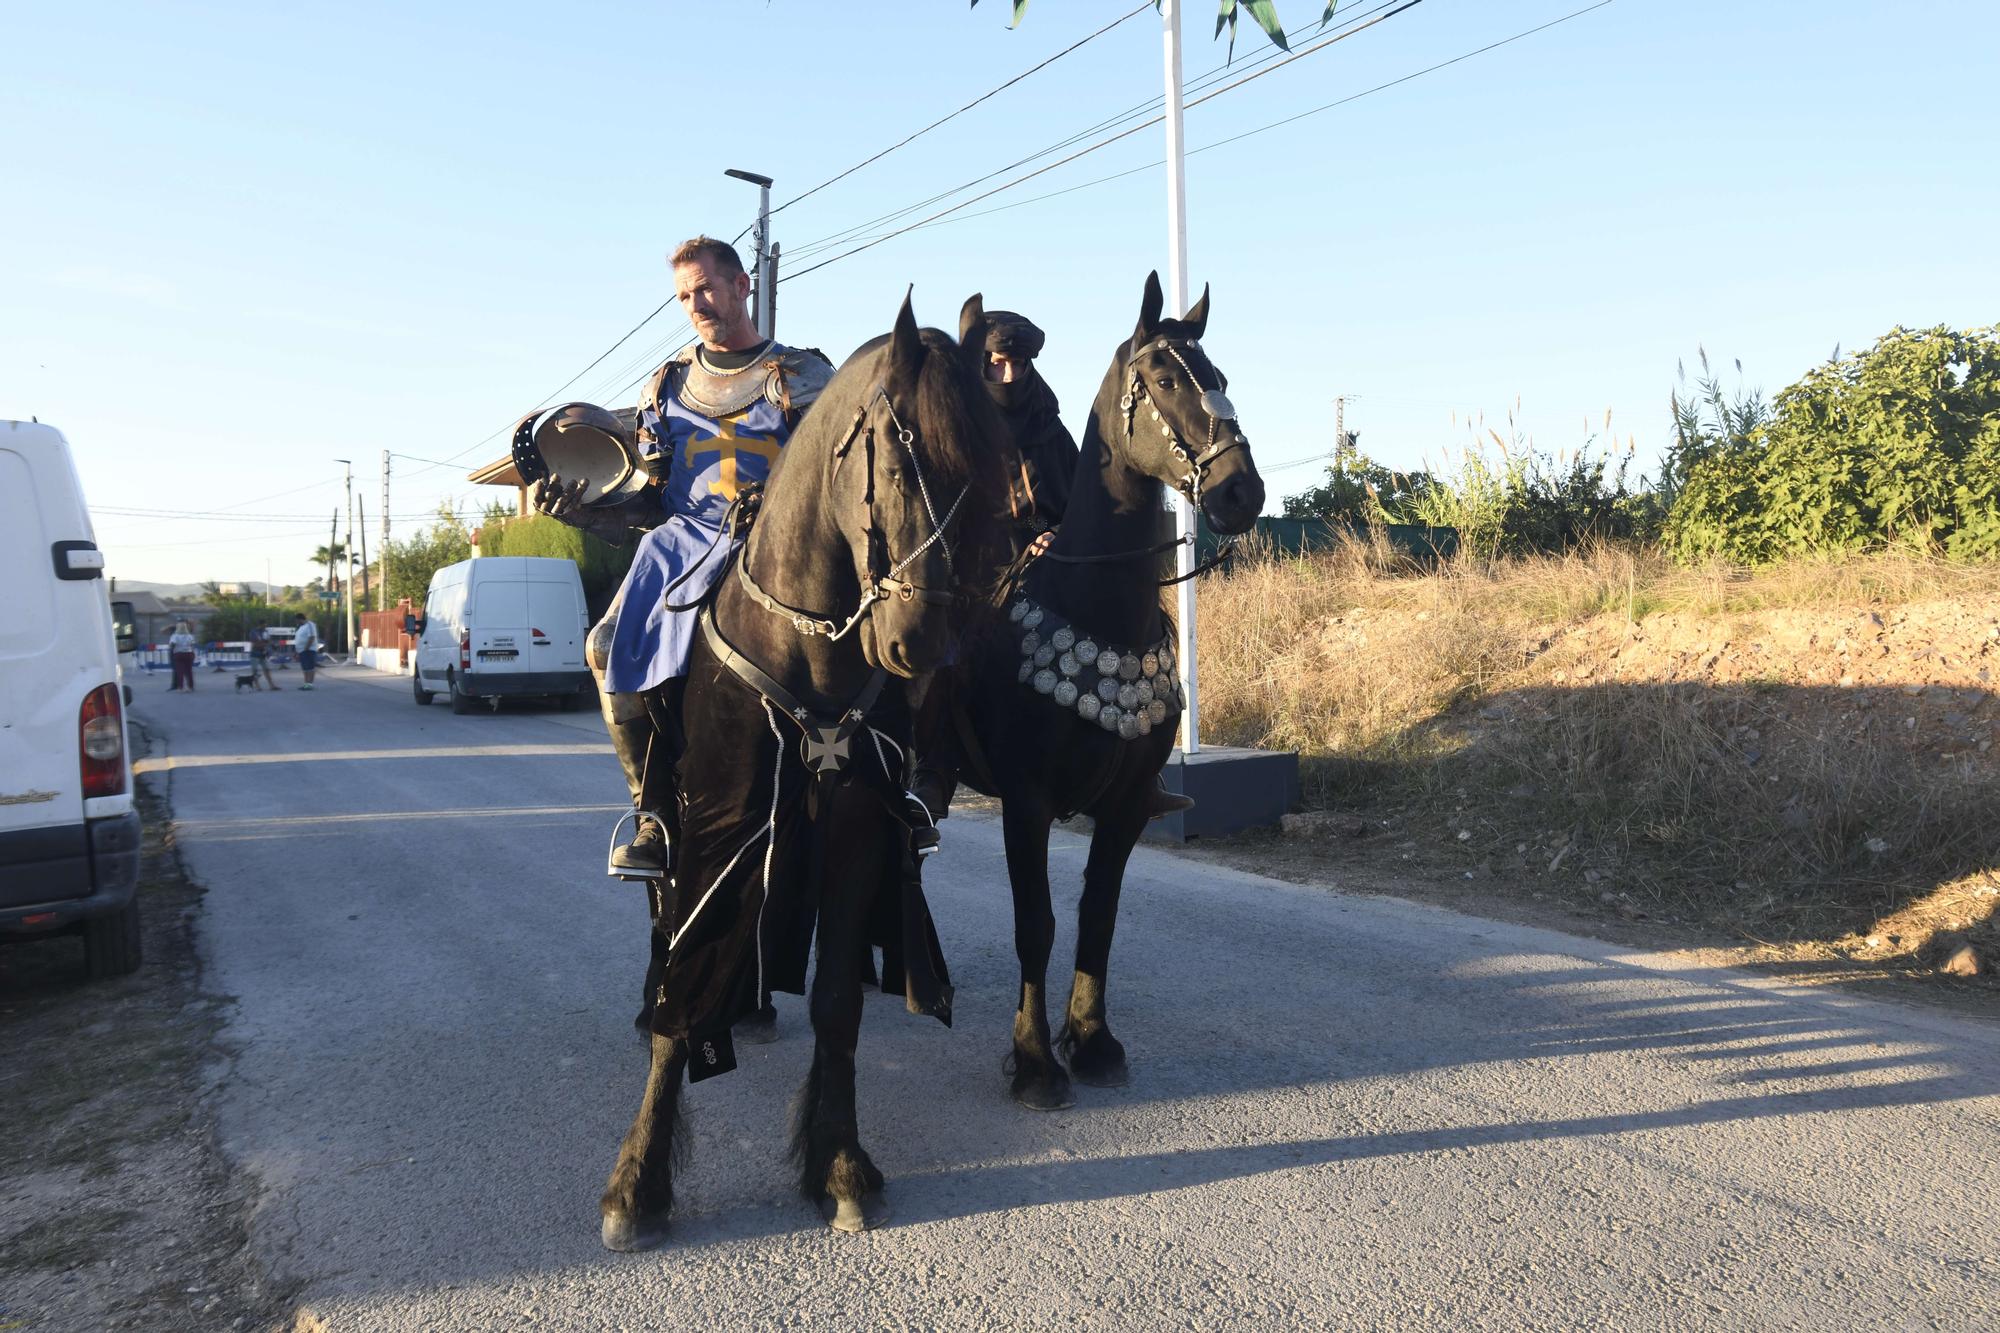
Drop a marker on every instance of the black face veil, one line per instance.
(1017, 338)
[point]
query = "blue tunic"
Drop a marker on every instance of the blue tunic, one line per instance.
(712, 460)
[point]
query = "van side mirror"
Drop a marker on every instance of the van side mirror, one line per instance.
(413, 625)
(122, 628)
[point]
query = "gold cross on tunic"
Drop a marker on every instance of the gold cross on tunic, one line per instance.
(727, 443)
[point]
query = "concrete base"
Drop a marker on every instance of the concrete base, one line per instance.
(1234, 789)
(388, 660)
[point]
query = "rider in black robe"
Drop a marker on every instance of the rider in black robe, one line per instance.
(1033, 415)
(1049, 457)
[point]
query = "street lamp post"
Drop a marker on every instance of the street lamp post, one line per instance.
(766, 263)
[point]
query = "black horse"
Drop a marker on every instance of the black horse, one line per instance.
(1072, 703)
(885, 516)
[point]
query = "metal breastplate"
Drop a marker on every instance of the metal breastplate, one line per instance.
(786, 377)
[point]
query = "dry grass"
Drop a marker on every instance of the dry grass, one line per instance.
(1679, 731)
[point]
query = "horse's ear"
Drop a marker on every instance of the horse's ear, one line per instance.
(971, 316)
(1149, 310)
(906, 345)
(1197, 314)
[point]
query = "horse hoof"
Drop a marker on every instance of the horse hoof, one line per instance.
(627, 1234)
(854, 1215)
(758, 1029)
(1099, 1062)
(1052, 1095)
(1102, 1076)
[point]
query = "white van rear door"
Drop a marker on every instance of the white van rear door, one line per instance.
(51, 654)
(555, 613)
(498, 619)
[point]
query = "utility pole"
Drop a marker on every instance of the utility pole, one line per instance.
(1177, 303)
(771, 302)
(332, 545)
(361, 512)
(382, 587)
(347, 593)
(765, 265)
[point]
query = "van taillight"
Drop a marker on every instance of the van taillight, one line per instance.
(101, 727)
(465, 650)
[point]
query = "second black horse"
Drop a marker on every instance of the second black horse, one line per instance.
(1071, 703)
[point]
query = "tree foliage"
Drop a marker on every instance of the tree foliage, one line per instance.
(412, 561)
(602, 565)
(1263, 12)
(1898, 445)
(1358, 490)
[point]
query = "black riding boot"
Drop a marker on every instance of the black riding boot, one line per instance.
(647, 850)
(933, 783)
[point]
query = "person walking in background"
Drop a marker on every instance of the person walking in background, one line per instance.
(305, 642)
(260, 659)
(180, 652)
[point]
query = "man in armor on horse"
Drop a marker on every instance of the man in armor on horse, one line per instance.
(711, 424)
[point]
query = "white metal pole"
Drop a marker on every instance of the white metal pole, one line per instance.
(1177, 304)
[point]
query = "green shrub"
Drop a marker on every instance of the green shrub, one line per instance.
(1359, 491)
(1895, 446)
(1527, 502)
(603, 566)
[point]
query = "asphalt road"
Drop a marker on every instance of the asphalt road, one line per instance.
(1345, 1111)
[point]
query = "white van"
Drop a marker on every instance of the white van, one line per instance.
(69, 833)
(500, 626)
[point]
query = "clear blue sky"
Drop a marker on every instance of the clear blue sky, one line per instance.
(240, 241)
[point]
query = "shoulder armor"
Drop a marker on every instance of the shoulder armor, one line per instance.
(798, 374)
(655, 389)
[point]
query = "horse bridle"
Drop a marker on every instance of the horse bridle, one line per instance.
(882, 584)
(1214, 402)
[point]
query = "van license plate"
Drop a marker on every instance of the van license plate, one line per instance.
(498, 652)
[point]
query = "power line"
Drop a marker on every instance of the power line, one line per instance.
(607, 352)
(656, 311)
(1104, 143)
(206, 516)
(1276, 124)
(988, 94)
(1204, 80)
(289, 534)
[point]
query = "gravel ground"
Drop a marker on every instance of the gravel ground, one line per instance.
(117, 1210)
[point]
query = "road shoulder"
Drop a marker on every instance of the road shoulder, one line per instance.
(118, 1208)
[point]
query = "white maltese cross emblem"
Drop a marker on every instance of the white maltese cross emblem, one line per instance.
(825, 749)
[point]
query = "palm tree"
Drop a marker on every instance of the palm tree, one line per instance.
(332, 558)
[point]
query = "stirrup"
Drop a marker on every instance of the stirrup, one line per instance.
(616, 871)
(924, 837)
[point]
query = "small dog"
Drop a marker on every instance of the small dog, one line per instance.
(248, 678)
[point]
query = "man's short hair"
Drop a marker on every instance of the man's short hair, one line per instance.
(719, 253)
(299, 616)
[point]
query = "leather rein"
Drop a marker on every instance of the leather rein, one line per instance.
(881, 584)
